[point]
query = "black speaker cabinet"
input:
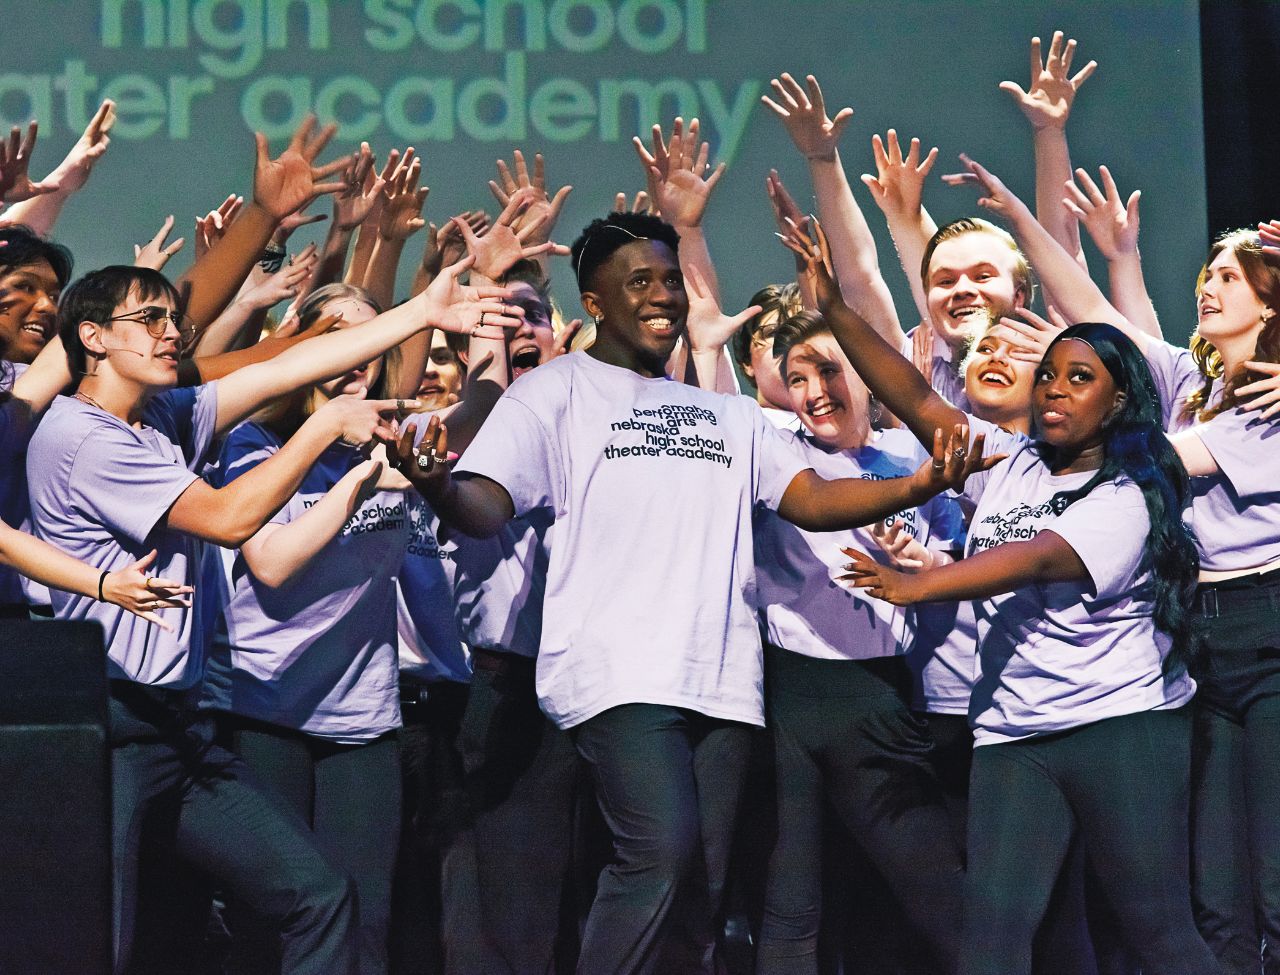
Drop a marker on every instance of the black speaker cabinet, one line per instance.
(55, 808)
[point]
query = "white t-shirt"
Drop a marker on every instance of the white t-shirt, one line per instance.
(1059, 655)
(650, 589)
(803, 608)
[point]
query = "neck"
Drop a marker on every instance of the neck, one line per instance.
(1236, 352)
(1077, 461)
(606, 351)
(855, 438)
(117, 397)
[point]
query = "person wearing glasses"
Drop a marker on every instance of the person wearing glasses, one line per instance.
(111, 476)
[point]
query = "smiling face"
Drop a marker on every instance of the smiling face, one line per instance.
(639, 296)
(354, 312)
(766, 368)
(997, 385)
(827, 394)
(1075, 396)
(970, 277)
(28, 309)
(442, 377)
(1229, 310)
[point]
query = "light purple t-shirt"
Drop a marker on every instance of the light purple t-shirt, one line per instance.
(16, 429)
(803, 608)
(1059, 655)
(1235, 513)
(100, 489)
(430, 644)
(318, 653)
(650, 587)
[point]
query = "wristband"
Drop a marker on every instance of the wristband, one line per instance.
(272, 259)
(101, 579)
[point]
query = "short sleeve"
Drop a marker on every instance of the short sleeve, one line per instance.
(123, 483)
(779, 459)
(1175, 374)
(998, 441)
(188, 417)
(247, 446)
(946, 523)
(515, 449)
(1245, 449)
(1107, 529)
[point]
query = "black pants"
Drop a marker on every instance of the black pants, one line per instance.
(349, 795)
(669, 782)
(1121, 784)
(1235, 810)
(520, 777)
(843, 735)
(166, 768)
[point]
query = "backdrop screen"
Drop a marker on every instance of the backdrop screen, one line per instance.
(465, 81)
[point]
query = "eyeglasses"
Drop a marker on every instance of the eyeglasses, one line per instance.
(156, 319)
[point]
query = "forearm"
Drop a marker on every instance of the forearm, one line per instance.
(891, 377)
(476, 507)
(246, 504)
(45, 378)
(46, 564)
(380, 276)
(1053, 170)
(853, 248)
(1129, 293)
(216, 278)
(228, 330)
(485, 386)
(39, 213)
(713, 370)
(816, 504)
(207, 368)
(366, 237)
(997, 570)
(279, 552)
(695, 253)
(911, 233)
(332, 258)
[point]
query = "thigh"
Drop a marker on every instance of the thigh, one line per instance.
(1262, 797)
(640, 758)
(720, 771)
(356, 817)
(281, 759)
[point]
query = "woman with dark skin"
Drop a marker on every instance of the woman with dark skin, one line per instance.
(1085, 574)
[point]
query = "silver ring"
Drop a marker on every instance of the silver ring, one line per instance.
(440, 458)
(425, 461)
(959, 452)
(939, 466)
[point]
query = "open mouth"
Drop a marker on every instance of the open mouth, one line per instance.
(660, 325)
(525, 359)
(1052, 416)
(993, 377)
(822, 409)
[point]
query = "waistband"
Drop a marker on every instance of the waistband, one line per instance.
(1214, 599)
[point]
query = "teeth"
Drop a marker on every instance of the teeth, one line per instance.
(822, 410)
(995, 377)
(659, 324)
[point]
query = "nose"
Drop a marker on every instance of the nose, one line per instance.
(964, 285)
(664, 294)
(525, 331)
(45, 304)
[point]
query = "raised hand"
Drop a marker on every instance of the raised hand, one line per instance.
(1029, 334)
(782, 203)
(815, 253)
(402, 201)
(358, 421)
(954, 459)
(707, 327)
(426, 465)
(1053, 88)
(1261, 394)
(996, 197)
(284, 284)
(292, 180)
(299, 218)
(804, 114)
(675, 171)
(922, 349)
(143, 595)
(16, 184)
(898, 186)
(879, 581)
(1110, 221)
(563, 342)
(155, 253)
(1269, 236)
(478, 311)
(74, 170)
(361, 188)
(641, 203)
(213, 225)
(904, 552)
(502, 245)
(543, 210)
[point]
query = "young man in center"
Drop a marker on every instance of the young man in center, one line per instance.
(650, 653)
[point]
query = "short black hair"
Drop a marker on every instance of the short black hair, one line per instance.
(21, 245)
(605, 235)
(99, 293)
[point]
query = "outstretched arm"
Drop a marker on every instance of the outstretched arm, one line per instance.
(1004, 568)
(893, 379)
(898, 189)
(40, 212)
(1047, 106)
(853, 248)
(1113, 225)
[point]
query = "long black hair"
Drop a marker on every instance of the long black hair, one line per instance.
(1135, 446)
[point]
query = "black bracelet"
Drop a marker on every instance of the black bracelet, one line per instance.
(101, 579)
(272, 259)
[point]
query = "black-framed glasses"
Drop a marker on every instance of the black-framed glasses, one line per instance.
(156, 319)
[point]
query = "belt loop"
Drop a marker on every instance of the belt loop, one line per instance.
(1209, 602)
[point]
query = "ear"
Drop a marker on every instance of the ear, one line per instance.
(464, 356)
(591, 302)
(747, 370)
(1121, 398)
(91, 338)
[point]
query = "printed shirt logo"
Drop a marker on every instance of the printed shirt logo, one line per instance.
(671, 430)
(1018, 524)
